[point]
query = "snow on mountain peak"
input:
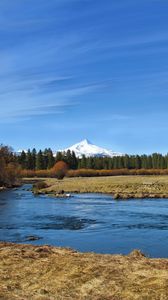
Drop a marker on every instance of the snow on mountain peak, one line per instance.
(85, 142)
(88, 149)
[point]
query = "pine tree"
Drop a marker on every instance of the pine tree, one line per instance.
(68, 156)
(126, 162)
(45, 158)
(59, 156)
(83, 162)
(137, 162)
(74, 161)
(29, 161)
(51, 160)
(34, 154)
(22, 160)
(39, 161)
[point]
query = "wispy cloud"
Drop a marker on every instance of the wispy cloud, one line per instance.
(25, 102)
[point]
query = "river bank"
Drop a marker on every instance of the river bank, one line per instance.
(11, 186)
(44, 272)
(120, 187)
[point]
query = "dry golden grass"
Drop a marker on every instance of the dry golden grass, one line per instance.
(49, 273)
(118, 186)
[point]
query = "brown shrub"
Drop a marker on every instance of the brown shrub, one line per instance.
(60, 169)
(11, 174)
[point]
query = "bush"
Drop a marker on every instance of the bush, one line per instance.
(9, 169)
(60, 170)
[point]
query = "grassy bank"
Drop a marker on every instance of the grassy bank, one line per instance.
(124, 187)
(43, 273)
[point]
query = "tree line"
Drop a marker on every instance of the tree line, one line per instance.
(45, 160)
(44, 164)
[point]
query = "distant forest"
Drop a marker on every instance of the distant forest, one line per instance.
(44, 160)
(45, 164)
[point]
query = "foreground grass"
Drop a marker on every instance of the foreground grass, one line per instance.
(124, 187)
(49, 273)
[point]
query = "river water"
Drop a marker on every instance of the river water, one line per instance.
(86, 222)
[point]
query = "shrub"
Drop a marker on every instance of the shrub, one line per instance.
(60, 169)
(12, 174)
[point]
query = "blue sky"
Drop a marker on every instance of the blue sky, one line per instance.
(75, 69)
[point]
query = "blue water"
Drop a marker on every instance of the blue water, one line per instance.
(86, 222)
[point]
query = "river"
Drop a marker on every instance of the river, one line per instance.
(86, 222)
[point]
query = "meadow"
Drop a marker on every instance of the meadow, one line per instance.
(44, 272)
(124, 187)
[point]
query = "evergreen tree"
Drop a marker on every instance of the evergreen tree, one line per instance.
(68, 157)
(120, 162)
(51, 159)
(29, 160)
(22, 160)
(83, 162)
(154, 160)
(39, 161)
(149, 162)
(144, 161)
(45, 158)
(166, 161)
(126, 162)
(59, 156)
(34, 153)
(74, 161)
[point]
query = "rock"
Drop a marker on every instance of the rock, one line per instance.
(32, 238)
(2, 188)
(137, 254)
(36, 192)
(44, 249)
(116, 196)
(68, 195)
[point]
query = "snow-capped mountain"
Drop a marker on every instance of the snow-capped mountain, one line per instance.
(88, 149)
